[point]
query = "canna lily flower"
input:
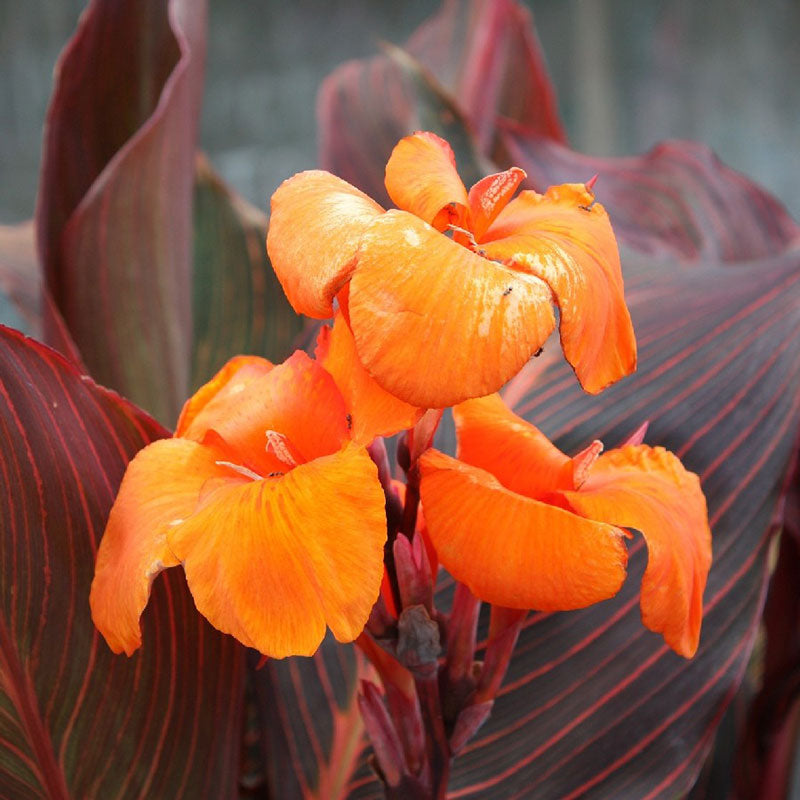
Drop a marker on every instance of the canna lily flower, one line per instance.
(524, 526)
(450, 294)
(374, 412)
(276, 514)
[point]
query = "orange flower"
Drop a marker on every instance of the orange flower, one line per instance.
(275, 513)
(437, 320)
(373, 411)
(525, 526)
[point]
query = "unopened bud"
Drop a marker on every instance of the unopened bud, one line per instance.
(413, 572)
(468, 723)
(637, 437)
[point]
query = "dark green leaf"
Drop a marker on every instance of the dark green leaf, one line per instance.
(239, 306)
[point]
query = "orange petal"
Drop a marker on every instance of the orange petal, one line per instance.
(514, 551)
(421, 178)
(570, 245)
(491, 436)
(372, 410)
(314, 229)
(160, 489)
(436, 324)
(297, 399)
(647, 488)
(490, 195)
(241, 368)
(273, 561)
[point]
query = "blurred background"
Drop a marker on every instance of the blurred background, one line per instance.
(627, 73)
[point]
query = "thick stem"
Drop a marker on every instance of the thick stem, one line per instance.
(418, 440)
(419, 648)
(394, 511)
(411, 505)
(458, 681)
(417, 643)
(438, 746)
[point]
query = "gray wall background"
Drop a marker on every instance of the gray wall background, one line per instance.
(628, 74)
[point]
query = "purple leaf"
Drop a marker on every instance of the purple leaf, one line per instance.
(118, 166)
(679, 200)
(365, 107)
(310, 730)
(79, 721)
(486, 55)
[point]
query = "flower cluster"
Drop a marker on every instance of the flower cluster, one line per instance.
(268, 495)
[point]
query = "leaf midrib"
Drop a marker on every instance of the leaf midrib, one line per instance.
(17, 685)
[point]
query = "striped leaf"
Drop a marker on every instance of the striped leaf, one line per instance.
(594, 705)
(719, 380)
(114, 206)
(238, 303)
(310, 733)
(485, 53)
(358, 127)
(677, 200)
(77, 721)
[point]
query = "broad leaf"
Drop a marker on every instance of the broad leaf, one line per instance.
(77, 720)
(311, 733)
(474, 62)
(594, 705)
(358, 127)
(616, 713)
(677, 200)
(114, 208)
(486, 55)
(239, 306)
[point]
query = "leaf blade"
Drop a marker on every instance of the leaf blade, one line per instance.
(239, 306)
(487, 55)
(118, 163)
(312, 735)
(677, 200)
(90, 724)
(742, 452)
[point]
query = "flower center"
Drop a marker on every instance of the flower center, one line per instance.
(465, 238)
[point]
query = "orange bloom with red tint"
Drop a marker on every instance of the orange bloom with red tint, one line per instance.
(276, 514)
(449, 295)
(525, 526)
